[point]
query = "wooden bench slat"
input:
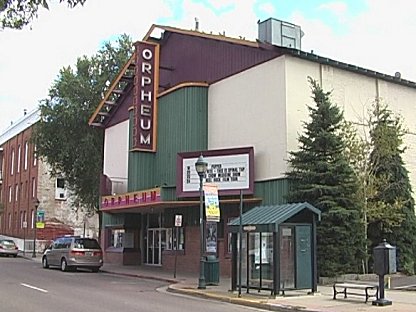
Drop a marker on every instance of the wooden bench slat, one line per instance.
(364, 287)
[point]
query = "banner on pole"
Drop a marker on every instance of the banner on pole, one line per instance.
(212, 206)
(40, 219)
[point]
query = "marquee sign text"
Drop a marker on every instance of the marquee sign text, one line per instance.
(132, 199)
(146, 82)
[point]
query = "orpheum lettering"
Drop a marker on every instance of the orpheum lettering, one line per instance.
(145, 91)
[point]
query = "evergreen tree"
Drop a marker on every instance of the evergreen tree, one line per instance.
(393, 215)
(321, 175)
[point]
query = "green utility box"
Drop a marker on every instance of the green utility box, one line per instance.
(212, 270)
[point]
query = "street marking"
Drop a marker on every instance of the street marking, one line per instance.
(33, 287)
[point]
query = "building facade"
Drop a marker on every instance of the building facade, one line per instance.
(28, 193)
(240, 104)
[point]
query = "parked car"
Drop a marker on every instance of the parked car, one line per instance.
(73, 252)
(8, 248)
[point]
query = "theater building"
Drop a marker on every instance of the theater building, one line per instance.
(241, 105)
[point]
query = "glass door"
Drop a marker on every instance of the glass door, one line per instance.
(156, 242)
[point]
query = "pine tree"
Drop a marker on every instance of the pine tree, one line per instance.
(321, 175)
(392, 216)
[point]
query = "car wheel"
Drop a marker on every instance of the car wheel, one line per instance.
(64, 265)
(14, 256)
(45, 264)
(95, 270)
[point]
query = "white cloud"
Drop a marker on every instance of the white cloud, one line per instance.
(337, 8)
(30, 59)
(379, 38)
(268, 8)
(241, 21)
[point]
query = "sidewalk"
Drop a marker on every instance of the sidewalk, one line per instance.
(403, 300)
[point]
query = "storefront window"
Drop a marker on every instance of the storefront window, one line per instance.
(171, 236)
(117, 238)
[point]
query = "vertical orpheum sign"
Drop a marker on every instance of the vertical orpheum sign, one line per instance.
(146, 82)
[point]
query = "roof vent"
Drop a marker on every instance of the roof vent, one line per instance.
(280, 33)
(398, 75)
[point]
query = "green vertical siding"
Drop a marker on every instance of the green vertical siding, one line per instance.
(182, 126)
(273, 192)
(113, 219)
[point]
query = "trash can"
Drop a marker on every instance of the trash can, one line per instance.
(212, 270)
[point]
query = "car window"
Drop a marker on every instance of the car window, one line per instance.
(86, 243)
(7, 242)
(59, 243)
(67, 242)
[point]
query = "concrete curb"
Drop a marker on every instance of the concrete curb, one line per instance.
(235, 300)
(156, 278)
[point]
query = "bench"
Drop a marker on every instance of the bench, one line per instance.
(369, 290)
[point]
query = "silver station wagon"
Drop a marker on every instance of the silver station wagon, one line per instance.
(73, 252)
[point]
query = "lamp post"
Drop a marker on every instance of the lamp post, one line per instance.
(201, 168)
(36, 202)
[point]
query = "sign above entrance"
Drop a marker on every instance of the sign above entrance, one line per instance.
(132, 199)
(230, 169)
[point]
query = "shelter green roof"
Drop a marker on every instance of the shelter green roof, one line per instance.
(267, 218)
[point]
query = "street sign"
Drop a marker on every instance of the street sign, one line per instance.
(249, 228)
(178, 220)
(24, 224)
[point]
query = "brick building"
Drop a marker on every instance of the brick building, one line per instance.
(27, 190)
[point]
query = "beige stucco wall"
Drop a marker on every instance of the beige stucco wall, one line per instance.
(266, 106)
(116, 155)
(248, 109)
(354, 93)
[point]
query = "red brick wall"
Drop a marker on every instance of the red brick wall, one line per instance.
(23, 178)
(53, 230)
(188, 261)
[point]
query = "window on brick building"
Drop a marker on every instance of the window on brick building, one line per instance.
(26, 155)
(12, 162)
(32, 219)
(16, 192)
(10, 194)
(19, 155)
(33, 187)
(35, 156)
(9, 223)
(60, 191)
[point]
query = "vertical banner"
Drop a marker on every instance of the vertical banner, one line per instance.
(40, 219)
(211, 237)
(146, 83)
(212, 206)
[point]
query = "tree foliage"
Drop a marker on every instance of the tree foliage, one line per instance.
(392, 214)
(63, 137)
(19, 13)
(321, 175)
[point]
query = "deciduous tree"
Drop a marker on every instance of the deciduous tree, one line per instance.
(19, 13)
(63, 137)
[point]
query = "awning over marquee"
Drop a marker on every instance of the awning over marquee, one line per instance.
(268, 218)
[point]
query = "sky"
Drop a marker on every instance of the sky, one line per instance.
(374, 34)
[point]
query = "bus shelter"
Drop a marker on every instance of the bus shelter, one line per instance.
(278, 248)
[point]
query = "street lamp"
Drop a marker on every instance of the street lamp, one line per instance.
(201, 168)
(36, 202)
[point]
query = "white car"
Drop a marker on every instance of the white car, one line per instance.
(8, 248)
